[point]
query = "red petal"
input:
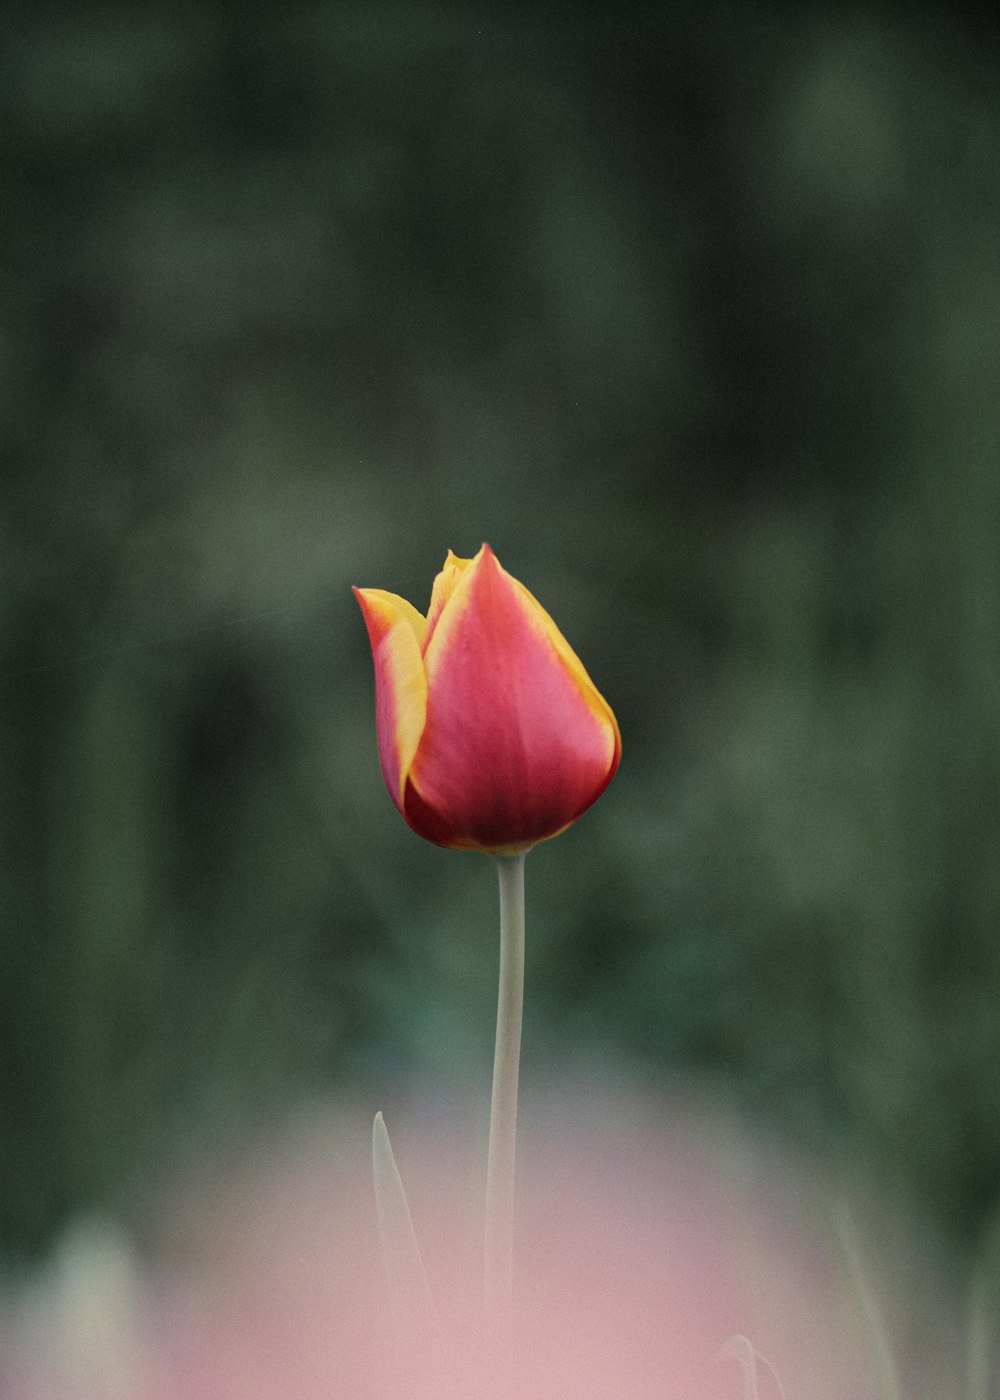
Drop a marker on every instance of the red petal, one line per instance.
(517, 742)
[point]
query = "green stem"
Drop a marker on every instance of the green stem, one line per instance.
(503, 1110)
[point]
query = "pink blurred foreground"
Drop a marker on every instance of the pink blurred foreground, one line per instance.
(643, 1250)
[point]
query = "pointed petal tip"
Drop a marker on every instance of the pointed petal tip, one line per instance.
(484, 558)
(463, 561)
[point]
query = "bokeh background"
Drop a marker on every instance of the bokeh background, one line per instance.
(694, 313)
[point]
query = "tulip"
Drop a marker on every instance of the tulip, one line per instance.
(491, 735)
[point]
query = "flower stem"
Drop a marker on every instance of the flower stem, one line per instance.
(503, 1110)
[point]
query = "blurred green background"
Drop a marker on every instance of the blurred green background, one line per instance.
(694, 314)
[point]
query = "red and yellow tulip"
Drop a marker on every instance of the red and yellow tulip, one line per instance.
(491, 735)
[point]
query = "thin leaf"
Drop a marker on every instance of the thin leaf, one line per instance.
(409, 1292)
(881, 1344)
(742, 1350)
(984, 1297)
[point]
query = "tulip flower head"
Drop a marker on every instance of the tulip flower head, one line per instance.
(491, 735)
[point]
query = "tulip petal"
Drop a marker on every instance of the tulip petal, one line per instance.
(517, 741)
(396, 631)
(444, 587)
